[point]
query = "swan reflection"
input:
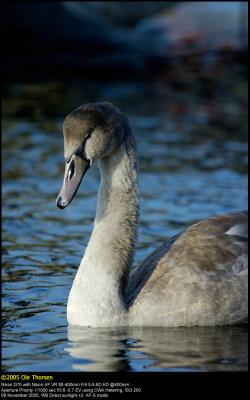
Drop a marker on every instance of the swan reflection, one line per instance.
(154, 349)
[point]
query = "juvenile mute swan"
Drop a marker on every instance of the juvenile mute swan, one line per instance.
(199, 277)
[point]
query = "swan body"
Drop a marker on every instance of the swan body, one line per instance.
(198, 278)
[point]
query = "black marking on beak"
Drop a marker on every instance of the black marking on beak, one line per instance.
(71, 170)
(75, 169)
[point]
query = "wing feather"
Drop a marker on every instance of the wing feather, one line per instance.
(216, 247)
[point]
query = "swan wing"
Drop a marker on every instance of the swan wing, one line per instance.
(140, 274)
(215, 248)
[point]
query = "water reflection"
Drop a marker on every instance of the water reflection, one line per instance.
(158, 349)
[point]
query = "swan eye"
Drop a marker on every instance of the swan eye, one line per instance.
(80, 152)
(88, 136)
(71, 171)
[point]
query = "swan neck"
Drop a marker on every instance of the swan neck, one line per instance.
(97, 294)
(117, 213)
(111, 247)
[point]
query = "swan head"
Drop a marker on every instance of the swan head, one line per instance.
(91, 132)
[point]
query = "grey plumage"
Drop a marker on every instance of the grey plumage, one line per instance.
(199, 277)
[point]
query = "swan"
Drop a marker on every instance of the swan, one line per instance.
(198, 278)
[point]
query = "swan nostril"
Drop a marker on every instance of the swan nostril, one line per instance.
(71, 171)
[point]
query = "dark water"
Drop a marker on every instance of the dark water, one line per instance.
(192, 165)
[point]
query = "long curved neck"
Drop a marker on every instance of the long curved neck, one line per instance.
(115, 227)
(101, 278)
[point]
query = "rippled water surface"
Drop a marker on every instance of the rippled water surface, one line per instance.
(192, 165)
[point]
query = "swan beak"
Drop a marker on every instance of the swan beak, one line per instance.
(75, 169)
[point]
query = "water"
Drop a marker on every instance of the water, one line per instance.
(192, 165)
